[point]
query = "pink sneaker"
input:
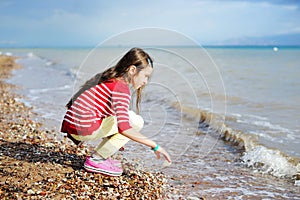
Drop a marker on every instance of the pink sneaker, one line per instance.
(104, 167)
(116, 163)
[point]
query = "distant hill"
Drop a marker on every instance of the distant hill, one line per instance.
(276, 40)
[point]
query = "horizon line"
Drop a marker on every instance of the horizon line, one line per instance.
(174, 46)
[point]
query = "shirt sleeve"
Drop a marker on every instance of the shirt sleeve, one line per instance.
(120, 104)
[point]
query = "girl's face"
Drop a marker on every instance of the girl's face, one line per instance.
(141, 78)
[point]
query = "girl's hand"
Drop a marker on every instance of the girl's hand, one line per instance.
(161, 150)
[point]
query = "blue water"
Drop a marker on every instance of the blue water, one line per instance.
(254, 91)
(267, 85)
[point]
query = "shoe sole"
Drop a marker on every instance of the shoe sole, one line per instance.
(101, 171)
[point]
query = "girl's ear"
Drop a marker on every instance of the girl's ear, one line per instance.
(132, 70)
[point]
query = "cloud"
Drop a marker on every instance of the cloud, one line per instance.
(274, 2)
(74, 22)
(7, 42)
(60, 27)
(224, 19)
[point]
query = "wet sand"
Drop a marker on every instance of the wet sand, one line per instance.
(35, 165)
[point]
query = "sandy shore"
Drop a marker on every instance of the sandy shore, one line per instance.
(34, 165)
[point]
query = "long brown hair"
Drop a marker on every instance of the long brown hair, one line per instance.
(135, 56)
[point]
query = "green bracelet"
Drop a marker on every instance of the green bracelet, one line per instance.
(155, 148)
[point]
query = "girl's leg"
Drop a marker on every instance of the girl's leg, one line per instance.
(112, 144)
(107, 128)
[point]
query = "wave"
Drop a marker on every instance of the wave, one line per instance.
(41, 61)
(45, 90)
(255, 155)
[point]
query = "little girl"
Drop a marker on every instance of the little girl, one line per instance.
(100, 109)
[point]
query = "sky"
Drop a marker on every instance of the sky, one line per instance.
(86, 23)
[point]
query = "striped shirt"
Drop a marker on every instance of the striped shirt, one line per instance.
(111, 98)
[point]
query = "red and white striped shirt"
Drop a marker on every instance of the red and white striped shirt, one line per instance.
(111, 98)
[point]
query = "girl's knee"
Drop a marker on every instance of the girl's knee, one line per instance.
(136, 121)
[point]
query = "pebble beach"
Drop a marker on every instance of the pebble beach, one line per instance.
(36, 165)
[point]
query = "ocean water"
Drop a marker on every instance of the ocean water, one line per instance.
(229, 117)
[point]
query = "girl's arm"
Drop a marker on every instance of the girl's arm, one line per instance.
(140, 138)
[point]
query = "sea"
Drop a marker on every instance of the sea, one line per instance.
(228, 116)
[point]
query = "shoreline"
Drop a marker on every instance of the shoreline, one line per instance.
(33, 164)
(219, 175)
